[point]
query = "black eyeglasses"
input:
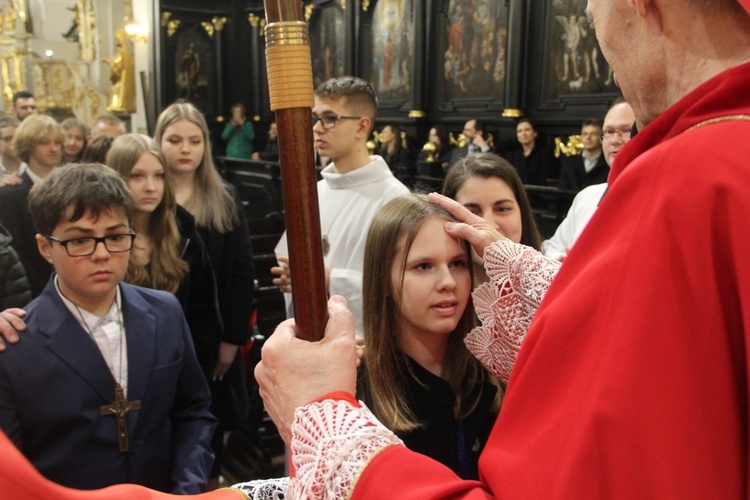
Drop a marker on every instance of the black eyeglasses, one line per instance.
(609, 134)
(81, 247)
(329, 121)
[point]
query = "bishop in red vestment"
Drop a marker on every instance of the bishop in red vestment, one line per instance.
(632, 381)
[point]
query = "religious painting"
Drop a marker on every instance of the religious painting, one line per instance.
(475, 48)
(392, 48)
(576, 64)
(327, 30)
(193, 66)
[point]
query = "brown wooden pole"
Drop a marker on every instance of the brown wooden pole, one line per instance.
(290, 87)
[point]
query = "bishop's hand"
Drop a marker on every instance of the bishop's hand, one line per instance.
(472, 228)
(295, 372)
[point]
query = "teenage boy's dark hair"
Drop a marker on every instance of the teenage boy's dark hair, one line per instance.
(87, 187)
(359, 94)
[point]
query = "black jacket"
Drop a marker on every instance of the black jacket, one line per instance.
(14, 287)
(573, 175)
(197, 294)
(231, 254)
(431, 399)
(16, 217)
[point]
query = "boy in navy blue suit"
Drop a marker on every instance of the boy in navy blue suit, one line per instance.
(104, 388)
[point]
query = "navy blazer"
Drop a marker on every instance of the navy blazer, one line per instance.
(53, 382)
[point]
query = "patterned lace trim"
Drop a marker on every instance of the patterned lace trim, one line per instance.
(332, 441)
(519, 278)
(264, 489)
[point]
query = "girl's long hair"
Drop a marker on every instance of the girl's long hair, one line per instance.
(211, 203)
(385, 379)
(166, 269)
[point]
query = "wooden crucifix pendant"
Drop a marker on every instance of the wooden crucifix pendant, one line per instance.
(120, 409)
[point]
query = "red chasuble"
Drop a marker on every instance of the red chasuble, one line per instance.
(20, 480)
(633, 379)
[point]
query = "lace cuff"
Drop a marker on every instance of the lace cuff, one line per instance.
(264, 489)
(332, 441)
(519, 278)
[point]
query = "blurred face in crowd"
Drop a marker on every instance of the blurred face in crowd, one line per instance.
(433, 137)
(108, 129)
(590, 137)
(616, 130)
(6, 139)
(74, 141)
(526, 134)
(183, 145)
(272, 132)
(24, 106)
(46, 153)
(386, 135)
(470, 131)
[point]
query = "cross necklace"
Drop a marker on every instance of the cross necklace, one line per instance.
(121, 406)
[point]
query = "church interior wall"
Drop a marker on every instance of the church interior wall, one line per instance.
(414, 99)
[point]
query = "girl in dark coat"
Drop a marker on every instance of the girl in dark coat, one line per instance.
(168, 253)
(182, 133)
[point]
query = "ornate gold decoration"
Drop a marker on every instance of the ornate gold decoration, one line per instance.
(458, 142)
(309, 9)
(512, 113)
(209, 27)
(417, 113)
(253, 20)
(573, 147)
(165, 18)
(343, 4)
(87, 32)
(172, 26)
(430, 149)
(94, 100)
(365, 5)
(219, 22)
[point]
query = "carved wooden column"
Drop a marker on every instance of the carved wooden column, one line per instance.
(417, 82)
(515, 59)
(257, 66)
(214, 30)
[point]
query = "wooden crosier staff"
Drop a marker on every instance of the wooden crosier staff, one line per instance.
(290, 86)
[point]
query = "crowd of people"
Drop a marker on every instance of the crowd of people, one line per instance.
(608, 362)
(168, 223)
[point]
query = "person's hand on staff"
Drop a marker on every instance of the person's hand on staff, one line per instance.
(295, 372)
(10, 324)
(284, 280)
(472, 228)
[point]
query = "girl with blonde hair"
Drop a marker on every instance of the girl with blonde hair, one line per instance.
(182, 133)
(168, 253)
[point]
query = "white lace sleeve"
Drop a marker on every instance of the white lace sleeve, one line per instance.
(519, 279)
(332, 441)
(264, 489)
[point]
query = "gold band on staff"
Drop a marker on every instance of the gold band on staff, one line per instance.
(290, 81)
